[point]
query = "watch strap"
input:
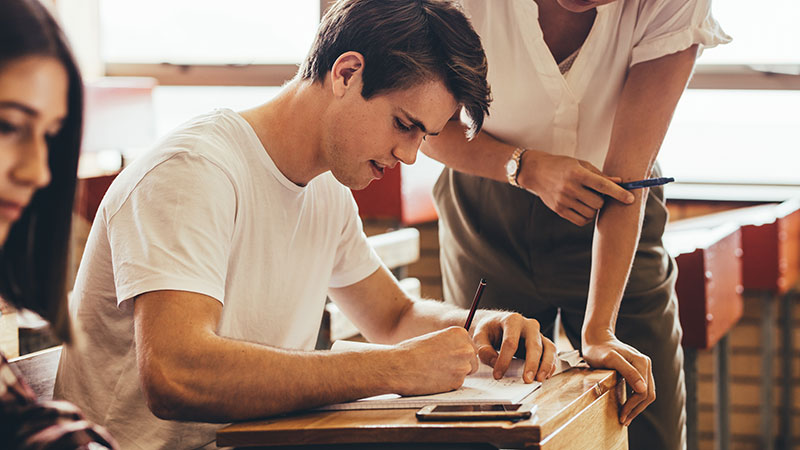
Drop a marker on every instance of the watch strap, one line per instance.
(517, 158)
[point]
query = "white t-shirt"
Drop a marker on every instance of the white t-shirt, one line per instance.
(209, 212)
(535, 106)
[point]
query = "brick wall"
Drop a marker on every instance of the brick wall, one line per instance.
(745, 370)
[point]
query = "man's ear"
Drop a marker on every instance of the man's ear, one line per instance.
(346, 73)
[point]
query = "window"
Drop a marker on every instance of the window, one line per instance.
(735, 121)
(258, 42)
(765, 52)
(206, 42)
(738, 125)
(234, 32)
(765, 33)
(734, 137)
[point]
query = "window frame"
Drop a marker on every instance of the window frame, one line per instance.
(740, 76)
(206, 75)
(706, 76)
(168, 74)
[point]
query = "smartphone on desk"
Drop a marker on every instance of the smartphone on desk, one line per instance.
(487, 411)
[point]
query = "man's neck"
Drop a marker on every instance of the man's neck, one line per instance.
(288, 127)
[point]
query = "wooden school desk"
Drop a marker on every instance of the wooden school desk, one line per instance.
(577, 409)
(709, 289)
(770, 236)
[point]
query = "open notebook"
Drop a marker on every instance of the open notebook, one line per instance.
(479, 387)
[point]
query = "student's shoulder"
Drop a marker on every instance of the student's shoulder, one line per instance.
(201, 148)
(216, 135)
(202, 137)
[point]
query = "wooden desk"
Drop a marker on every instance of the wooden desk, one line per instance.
(770, 236)
(576, 409)
(770, 241)
(709, 285)
(709, 289)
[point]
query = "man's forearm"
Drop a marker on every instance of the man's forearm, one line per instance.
(424, 316)
(397, 316)
(222, 380)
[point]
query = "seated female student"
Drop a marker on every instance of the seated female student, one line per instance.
(41, 102)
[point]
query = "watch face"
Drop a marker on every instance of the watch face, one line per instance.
(511, 167)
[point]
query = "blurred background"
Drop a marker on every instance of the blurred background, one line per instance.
(741, 108)
(734, 143)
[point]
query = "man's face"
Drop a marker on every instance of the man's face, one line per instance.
(364, 137)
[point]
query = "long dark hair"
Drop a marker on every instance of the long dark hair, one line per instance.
(33, 261)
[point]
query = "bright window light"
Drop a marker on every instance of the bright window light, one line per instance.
(730, 136)
(764, 32)
(207, 31)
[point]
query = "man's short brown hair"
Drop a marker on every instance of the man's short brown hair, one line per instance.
(403, 43)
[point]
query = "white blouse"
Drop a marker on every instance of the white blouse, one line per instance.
(535, 106)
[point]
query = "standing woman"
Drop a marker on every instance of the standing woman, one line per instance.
(41, 106)
(584, 91)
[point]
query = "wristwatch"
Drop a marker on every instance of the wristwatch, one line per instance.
(513, 166)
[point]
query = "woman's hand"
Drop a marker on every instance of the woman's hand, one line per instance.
(572, 188)
(608, 352)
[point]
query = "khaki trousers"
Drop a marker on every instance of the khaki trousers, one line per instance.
(535, 262)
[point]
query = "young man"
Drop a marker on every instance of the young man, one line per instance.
(205, 275)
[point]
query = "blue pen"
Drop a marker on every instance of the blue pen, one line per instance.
(646, 183)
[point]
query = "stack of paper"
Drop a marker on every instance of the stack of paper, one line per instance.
(479, 387)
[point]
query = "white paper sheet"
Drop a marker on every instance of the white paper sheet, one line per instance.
(479, 387)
